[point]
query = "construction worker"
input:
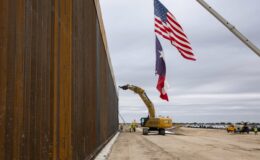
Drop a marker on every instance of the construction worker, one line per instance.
(121, 128)
(255, 130)
(133, 126)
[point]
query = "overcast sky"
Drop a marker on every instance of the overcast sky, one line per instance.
(222, 85)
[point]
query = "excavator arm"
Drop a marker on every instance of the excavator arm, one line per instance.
(143, 96)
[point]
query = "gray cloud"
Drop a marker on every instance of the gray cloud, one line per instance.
(222, 85)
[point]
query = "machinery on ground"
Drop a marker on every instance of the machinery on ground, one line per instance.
(150, 123)
(231, 128)
(245, 128)
(238, 128)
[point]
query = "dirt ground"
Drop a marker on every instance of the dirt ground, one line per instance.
(186, 144)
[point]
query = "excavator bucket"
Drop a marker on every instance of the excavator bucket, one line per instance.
(125, 87)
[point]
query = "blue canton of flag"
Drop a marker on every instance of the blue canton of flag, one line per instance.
(160, 11)
(160, 67)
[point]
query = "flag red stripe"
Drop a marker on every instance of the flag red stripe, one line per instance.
(177, 30)
(159, 24)
(178, 48)
(158, 21)
(182, 50)
(183, 55)
(178, 39)
(181, 44)
(160, 87)
(172, 30)
(173, 39)
(172, 20)
(186, 54)
(162, 29)
(160, 33)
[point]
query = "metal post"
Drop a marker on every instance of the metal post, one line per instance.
(230, 27)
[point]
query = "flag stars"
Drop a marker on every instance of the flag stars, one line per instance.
(161, 54)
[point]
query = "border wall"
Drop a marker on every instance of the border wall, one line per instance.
(58, 97)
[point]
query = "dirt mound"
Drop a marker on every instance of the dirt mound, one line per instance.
(179, 130)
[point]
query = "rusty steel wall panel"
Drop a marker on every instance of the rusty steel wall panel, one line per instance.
(58, 98)
(90, 83)
(3, 73)
(84, 87)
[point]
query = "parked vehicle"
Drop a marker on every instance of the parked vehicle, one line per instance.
(231, 129)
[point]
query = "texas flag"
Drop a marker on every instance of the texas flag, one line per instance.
(160, 69)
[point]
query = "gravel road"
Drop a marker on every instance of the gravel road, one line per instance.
(187, 144)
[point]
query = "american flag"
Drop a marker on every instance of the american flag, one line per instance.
(167, 26)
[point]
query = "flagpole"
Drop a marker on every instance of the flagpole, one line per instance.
(232, 28)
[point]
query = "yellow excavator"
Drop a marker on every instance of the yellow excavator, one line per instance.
(150, 123)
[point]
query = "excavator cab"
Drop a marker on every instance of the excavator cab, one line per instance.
(143, 121)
